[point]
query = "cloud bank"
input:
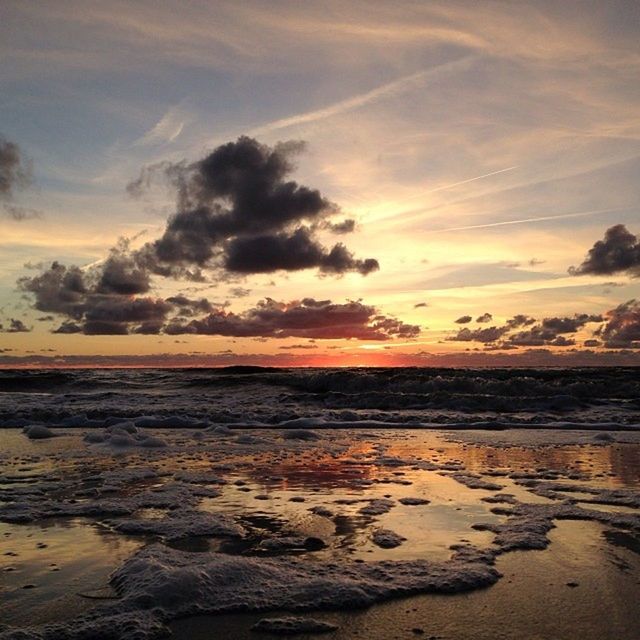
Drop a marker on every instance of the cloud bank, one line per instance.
(525, 331)
(236, 213)
(102, 301)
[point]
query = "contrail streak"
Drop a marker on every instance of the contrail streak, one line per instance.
(444, 187)
(384, 91)
(526, 220)
(456, 184)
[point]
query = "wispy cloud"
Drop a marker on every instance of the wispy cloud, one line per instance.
(169, 127)
(578, 214)
(443, 187)
(388, 90)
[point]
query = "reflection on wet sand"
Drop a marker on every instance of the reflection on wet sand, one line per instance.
(54, 568)
(320, 500)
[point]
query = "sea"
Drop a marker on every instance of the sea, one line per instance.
(550, 398)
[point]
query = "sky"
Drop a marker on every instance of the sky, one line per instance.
(326, 183)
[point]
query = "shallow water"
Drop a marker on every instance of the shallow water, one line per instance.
(268, 484)
(57, 568)
(532, 601)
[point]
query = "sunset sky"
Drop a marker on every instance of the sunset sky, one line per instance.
(451, 162)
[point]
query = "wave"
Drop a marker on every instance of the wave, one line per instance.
(267, 396)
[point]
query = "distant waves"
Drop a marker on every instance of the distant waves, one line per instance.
(495, 398)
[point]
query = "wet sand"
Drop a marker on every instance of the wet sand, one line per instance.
(321, 500)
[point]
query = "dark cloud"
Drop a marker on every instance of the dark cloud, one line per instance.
(18, 213)
(622, 329)
(463, 320)
(269, 253)
(346, 226)
(15, 175)
(299, 346)
(237, 213)
(15, 172)
(570, 324)
(99, 301)
(307, 318)
(548, 332)
(619, 251)
(58, 290)
(103, 301)
(420, 305)
(236, 210)
(113, 315)
(486, 335)
(485, 317)
(121, 275)
(17, 326)
(189, 307)
(68, 327)
(520, 320)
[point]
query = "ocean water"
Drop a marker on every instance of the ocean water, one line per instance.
(468, 504)
(589, 398)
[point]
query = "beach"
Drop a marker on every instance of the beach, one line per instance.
(211, 530)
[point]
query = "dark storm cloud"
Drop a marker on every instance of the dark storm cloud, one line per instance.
(622, 329)
(15, 175)
(237, 210)
(463, 320)
(307, 318)
(618, 252)
(485, 317)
